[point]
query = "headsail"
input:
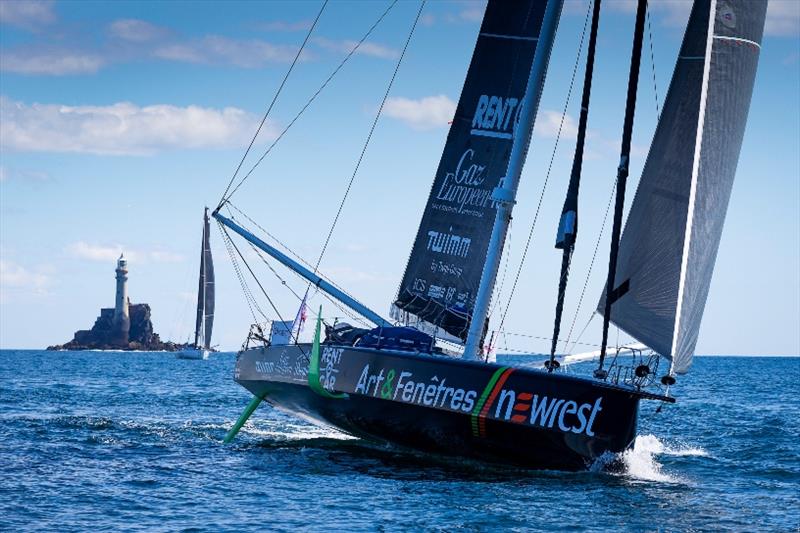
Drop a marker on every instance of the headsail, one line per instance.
(672, 234)
(204, 323)
(449, 252)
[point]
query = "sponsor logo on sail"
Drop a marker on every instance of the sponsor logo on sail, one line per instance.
(495, 116)
(465, 187)
(448, 243)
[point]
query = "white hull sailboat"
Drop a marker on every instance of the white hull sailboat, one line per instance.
(204, 322)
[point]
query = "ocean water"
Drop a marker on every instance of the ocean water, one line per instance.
(111, 441)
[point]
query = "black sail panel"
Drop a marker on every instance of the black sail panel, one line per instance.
(209, 285)
(668, 249)
(444, 270)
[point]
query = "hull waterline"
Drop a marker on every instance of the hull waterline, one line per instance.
(448, 406)
(190, 353)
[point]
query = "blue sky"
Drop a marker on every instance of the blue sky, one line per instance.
(121, 120)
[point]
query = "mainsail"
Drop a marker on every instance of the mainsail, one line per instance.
(204, 324)
(669, 246)
(444, 270)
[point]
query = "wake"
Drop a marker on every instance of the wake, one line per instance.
(640, 463)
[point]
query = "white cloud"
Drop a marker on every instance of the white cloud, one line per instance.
(136, 30)
(54, 62)
(214, 49)
(31, 176)
(15, 276)
(367, 48)
(282, 25)
(427, 19)
(467, 11)
(28, 14)
(473, 13)
(348, 274)
(673, 13)
(122, 128)
(783, 18)
(548, 123)
(426, 113)
(110, 253)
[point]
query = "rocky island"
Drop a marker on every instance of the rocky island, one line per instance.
(126, 326)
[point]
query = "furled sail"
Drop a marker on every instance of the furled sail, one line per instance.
(204, 323)
(669, 246)
(449, 252)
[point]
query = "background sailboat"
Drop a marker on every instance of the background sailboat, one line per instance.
(204, 322)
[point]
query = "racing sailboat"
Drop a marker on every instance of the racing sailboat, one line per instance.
(204, 322)
(395, 383)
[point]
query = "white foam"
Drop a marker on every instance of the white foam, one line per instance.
(284, 431)
(640, 462)
(652, 444)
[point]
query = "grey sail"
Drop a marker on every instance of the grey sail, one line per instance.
(447, 259)
(208, 311)
(204, 322)
(672, 234)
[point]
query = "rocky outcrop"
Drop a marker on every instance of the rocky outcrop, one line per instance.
(102, 334)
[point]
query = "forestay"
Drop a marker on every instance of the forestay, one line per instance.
(447, 259)
(672, 234)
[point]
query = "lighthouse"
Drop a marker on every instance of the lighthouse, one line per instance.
(122, 319)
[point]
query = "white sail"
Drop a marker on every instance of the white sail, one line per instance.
(669, 246)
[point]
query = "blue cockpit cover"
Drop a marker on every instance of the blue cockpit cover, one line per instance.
(398, 338)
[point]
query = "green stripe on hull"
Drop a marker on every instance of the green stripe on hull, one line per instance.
(482, 400)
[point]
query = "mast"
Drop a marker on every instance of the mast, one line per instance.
(613, 293)
(568, 225)
(201, 289)
(506, 191)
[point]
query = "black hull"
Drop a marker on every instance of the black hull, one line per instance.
(449, 406)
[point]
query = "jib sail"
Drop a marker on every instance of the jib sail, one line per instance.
(669, 246)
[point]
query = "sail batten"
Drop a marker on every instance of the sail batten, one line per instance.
(674, 227)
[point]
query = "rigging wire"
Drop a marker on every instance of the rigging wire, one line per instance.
(653, 65)
(349, 314)
(539, 337)
(589, 274)
(507, 253)
(283, 245)
(310, 100)
(226, 239)
(274, 99)
(369, 136)
(549, 169)
(246, 264)
(610, 199)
